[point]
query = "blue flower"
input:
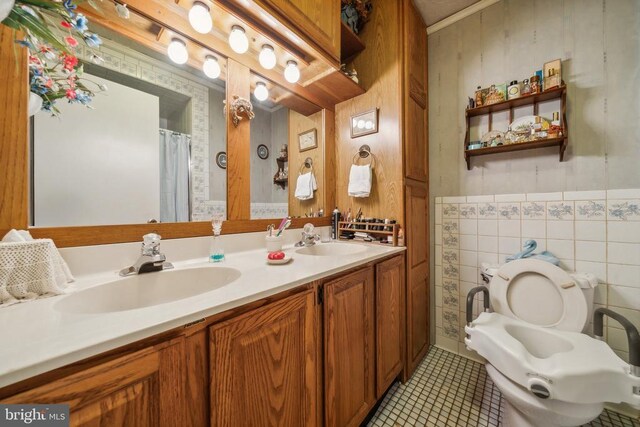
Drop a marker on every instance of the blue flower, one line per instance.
(92, 39)
(68, 4)
(80, 23)
(83, 98)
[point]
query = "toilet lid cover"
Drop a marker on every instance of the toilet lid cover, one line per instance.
(539, 293)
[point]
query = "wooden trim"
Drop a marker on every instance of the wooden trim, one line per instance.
(108, 234)
(450, 20)
(14, 98)
(329, 155)
(238, 146)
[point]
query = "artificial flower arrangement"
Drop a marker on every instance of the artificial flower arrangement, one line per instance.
(52, 29)
(355, 13)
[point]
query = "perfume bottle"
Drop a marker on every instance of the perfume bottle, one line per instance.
(216, 251)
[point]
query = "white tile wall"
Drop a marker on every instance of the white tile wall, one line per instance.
(587, 231)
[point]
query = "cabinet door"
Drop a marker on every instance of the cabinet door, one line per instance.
(349, 348)
(317, 21)
(415, 122)
(389, 322)
(417, 240)
(142, 389)
(263, 366)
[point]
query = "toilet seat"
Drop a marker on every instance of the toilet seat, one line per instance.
(538, 293)
(569, 366)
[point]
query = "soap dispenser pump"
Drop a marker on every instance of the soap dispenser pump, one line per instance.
(216, 252)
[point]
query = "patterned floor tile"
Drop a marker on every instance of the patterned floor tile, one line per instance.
(448, 390)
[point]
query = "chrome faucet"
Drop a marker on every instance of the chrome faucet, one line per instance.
(150, 257)
(309, 238)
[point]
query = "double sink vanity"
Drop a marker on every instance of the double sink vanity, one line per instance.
(317, 341)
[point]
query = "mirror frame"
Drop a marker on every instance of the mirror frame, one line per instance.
(14, 158)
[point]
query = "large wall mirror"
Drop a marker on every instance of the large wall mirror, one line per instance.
(151, 148)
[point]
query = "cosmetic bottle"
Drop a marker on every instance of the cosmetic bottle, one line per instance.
(514, 90)
(335, 219)
(526, 88)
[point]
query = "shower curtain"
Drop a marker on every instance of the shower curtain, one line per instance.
(174, 176)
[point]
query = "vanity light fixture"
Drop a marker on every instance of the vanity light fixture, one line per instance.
(238, 39)
(200, 18)
(292, 72)
(211, 67)
(261, 92)
(178, 52)
(267, 57)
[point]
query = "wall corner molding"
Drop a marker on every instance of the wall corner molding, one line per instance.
(468, 11)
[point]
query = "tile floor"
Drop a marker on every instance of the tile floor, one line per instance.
(450, 390)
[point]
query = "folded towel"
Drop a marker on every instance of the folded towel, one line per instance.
(30, 269)
(360, 181)
(305, 186)
(527, 252)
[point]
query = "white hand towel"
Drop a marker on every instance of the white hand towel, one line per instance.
(305, 186)
(360, 178)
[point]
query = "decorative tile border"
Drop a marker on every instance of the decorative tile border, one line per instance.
(585, 229)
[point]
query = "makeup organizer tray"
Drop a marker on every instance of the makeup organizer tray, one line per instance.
(373, 228)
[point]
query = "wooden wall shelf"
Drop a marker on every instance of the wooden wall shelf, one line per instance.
(350, 43)
(369, 228)
(559, 93)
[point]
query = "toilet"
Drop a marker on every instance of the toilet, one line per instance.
(550, 373)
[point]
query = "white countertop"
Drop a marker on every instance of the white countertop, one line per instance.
(37, 337)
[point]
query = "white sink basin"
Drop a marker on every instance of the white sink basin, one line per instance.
(147, 290)
(332, 249)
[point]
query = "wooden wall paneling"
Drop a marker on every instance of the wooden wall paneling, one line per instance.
(415, 96)
(329, 187)
(238, 146)
(390, 322)
(417, 294)
(349, 352)
(381, 73)
(298, 124)
(14, 95)
(264, 366)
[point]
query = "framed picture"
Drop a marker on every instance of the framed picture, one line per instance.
(364, 123)
(263, 151)
(552, 75)
(308, 140)
(221, 160)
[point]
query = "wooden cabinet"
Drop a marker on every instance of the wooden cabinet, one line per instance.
(145, 388)
(390, 318)
(349, 360)
(317, 21)
(417, 312)
(263, 366)
(415, 96)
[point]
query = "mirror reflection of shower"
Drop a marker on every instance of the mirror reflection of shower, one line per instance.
(175, 176)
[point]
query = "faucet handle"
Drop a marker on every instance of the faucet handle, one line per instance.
(151, 244)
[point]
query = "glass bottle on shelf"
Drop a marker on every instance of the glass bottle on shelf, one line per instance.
(526, 88)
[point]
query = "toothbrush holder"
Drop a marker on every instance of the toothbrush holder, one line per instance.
(274, 243)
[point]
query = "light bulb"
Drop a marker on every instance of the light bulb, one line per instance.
(291, 72)
(238, 39)
(177, 51)
(267, 57)
(200, 18)
(211, 67)
(261, 92)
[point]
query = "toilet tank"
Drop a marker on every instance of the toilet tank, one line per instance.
(588, 283)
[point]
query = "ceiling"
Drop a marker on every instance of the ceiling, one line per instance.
(436, 10)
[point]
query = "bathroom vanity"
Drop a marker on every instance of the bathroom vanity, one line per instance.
(315, 343)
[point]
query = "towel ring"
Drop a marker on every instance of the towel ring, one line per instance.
(308, 163)
(363, 153)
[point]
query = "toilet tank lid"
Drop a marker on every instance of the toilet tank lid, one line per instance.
(585, 280)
